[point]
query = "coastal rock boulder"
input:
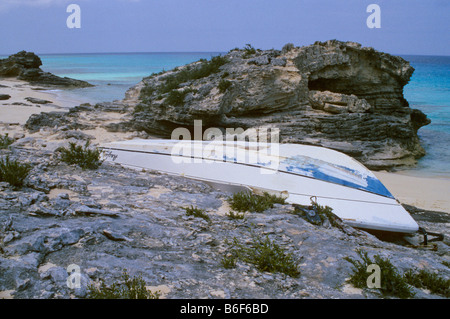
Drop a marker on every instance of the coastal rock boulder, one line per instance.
(26, 66)
(334, 94)
(15, 64)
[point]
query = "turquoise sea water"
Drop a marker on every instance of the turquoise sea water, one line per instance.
(113, 74)
(429, 91)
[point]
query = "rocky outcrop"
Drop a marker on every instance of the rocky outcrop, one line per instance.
(334, 94)
(37, 101)
(83, 117)
(114, 219)
(26, 66)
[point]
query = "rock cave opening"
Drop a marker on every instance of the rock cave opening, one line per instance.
(340, 85)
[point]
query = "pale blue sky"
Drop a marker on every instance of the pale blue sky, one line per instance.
(407, 26)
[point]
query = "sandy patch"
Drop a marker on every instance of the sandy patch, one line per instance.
(158, 190)
(428, 193)
(19, 91)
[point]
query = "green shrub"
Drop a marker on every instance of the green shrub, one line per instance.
(392, 282)
(84, 157)
(146, 91)
(287, 47)
(208, 67)
(176, 98)
(171, 82)
(5, 141)
(224, 85)
(249, 50)
(131, 288)
(13, 172)
(265, 255)
(197, 212)
(233, 215)
(424, 279)
(229, 261)
(244, 201)
(395, 284)
(141, 107)
(194, 72)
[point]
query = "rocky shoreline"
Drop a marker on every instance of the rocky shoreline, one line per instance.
(26, 66)
(334, 94)
(113, 218)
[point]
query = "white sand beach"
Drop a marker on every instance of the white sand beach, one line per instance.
(19, 91)
(430, 193)
(15, 111)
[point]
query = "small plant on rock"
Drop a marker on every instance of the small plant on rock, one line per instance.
(83, 156)
(13, 172)
(197, 212)
(233, 215)
(287, 47)
(243, 201)
(424, 279)
(5, 141)
(249, 50)
(129, 288)
(229, 261)
(224, 85)
(176, 97)
(265, 254)
(191, 72)
(392, 282)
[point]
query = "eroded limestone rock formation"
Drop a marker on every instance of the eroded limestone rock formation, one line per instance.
(26, 66)
(334, 94)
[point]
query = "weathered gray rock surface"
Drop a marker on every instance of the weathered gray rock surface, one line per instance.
(334, 94)
(37, 101)
(104, 221)
(111, 219)
(84, 117)
(26, 66)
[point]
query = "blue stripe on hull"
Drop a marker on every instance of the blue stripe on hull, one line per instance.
(333, 173)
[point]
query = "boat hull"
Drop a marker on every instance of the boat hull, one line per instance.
(354, 205)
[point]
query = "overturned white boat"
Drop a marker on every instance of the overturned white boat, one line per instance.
(298, 171)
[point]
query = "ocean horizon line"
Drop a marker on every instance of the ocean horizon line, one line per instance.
(185, 52)
(119, 53)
